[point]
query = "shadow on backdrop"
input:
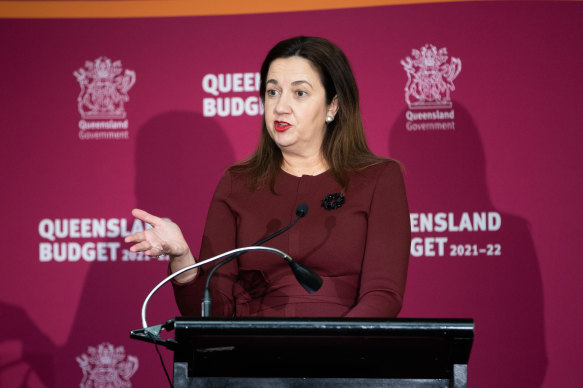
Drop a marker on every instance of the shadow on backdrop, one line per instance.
(180, 156)
(26, 353)
(445, 172)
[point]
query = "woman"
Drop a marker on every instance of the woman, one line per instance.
(312, 150)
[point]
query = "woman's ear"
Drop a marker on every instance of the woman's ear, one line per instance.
(333, 107)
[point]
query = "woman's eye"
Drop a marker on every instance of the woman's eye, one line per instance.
(271, 92)
(301, 93)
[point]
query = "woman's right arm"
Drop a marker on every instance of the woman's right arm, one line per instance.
(220, 235)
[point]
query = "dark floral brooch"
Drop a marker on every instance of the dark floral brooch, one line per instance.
(333, 201)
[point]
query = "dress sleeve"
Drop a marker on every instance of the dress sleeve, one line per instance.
(386, 256)
(219, 236)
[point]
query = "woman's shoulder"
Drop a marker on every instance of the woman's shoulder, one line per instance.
(239, 177)
(381, 167)
(234, 177)
(379, 180)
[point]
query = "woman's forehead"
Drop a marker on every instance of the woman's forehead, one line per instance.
(292, 70)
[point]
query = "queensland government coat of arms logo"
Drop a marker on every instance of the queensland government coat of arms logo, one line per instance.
(430, 78)
(106, 366)
(104, 89)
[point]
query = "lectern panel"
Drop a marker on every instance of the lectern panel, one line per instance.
(293, 351)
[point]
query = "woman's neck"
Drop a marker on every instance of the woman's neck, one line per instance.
(304, 165)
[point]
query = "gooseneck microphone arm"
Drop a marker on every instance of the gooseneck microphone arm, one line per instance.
(229, 259)
(301, 211)
(195, 265)
(308, 278)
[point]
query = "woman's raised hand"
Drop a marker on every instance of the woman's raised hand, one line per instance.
(164, 238)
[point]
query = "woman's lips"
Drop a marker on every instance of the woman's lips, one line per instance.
(281, 126)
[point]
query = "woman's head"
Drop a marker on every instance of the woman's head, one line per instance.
(296, 108)
(331, 65)
(343, 145)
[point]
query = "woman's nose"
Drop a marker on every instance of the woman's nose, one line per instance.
(283, 104)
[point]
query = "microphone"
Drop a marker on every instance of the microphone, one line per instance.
(301, 211)
(307, 278)
(228, 254)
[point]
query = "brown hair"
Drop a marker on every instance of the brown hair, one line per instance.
(344, 146)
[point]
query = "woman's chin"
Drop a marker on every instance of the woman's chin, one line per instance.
(284, 139)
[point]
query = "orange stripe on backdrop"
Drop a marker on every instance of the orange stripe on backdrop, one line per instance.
(165, 8)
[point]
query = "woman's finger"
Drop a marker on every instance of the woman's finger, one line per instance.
(142, 246)
(148, 249)
(146, 217)
(136, 237)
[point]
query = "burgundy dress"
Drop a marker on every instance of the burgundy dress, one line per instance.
(361, 250)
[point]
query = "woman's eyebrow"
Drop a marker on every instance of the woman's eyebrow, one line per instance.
(295, 83)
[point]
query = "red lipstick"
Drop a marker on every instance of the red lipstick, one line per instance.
(281, 126)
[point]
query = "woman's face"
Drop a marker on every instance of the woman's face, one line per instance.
(295, 106)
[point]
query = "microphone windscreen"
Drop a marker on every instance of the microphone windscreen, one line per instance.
(308, 279)
(302, 210)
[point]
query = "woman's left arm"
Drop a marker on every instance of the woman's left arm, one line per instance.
(386, 257)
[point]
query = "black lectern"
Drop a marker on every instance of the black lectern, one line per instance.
(271, 352)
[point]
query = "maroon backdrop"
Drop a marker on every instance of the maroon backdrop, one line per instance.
(480, 101)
